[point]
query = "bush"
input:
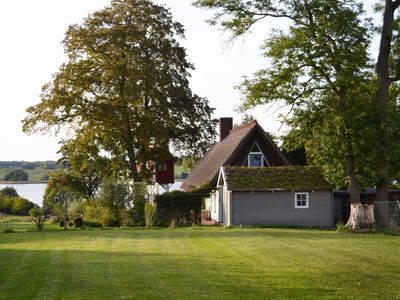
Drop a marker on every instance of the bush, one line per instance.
(78, 222)
(38, 217)
(150, 215)
(70, 224)
(9, 191)
(16, 175)
(341, 227)
(8, 230)
(114, 202)
(184, 208)
(75, 209)
(6, 204)
(21, 206)
(138, 209)
(96, 213)
(92, 224)
(61, 223)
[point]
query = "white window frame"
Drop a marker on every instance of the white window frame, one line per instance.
(256, 152)
(307, 200)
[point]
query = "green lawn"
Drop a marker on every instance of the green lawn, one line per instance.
(198, 263)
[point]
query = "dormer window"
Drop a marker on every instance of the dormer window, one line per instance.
(255, 158)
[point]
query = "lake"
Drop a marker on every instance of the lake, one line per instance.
(34, 191)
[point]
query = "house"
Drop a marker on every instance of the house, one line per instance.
(272, 196)
(255, 184)
(248, 145)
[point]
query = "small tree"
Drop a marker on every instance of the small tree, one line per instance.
(9, 191)
(150, 215)
(38, 217)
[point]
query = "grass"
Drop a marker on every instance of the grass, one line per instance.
(34, 174)
(197, 263)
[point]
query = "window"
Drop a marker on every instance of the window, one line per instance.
(162, 167)
(301, 200)
(255, 158)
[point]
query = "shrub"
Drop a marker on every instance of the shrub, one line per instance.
(61, 224)
(8, 230)
(183, 207)
(6, 204)
(78, 222)
(75, 209)
(138, 209)
(115, 201)
(92, 224)
(150, 215)
(70, 224)
(9, 191)
(21, 206)
(38, 217)
(341, 227)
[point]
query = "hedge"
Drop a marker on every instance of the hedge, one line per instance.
(181, 208)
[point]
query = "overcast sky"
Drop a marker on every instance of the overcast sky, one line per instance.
(31, 32)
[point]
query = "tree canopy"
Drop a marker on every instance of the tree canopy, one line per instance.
(318, 66)
(125, 88)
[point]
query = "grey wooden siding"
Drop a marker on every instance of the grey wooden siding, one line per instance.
(278, 208)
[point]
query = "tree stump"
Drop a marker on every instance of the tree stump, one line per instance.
(361, 217)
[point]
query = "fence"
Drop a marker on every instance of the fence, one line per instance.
(387, 215)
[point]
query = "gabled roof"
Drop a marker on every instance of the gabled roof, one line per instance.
(223, 153)
(275, 178)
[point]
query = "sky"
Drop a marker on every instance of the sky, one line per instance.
(31, 32)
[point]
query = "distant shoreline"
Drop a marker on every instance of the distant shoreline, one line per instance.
(24, 182)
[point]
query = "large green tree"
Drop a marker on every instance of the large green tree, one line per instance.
(317, 62)
(125, 86)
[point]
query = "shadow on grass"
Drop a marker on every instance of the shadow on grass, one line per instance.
(311, 234)
(175, 274)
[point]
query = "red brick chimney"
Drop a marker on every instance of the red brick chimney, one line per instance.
(225, 125)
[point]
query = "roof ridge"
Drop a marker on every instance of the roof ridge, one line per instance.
(250, 123)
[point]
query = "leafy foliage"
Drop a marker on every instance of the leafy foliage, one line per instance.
(9, 191)
(114, 205)
(182, 208)
(11, 203)
(61, 187)
(125, 88)
(321, 69)
(150, 215)
(38, 217)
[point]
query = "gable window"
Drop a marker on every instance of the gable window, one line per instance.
(255, 158)
(301, 200)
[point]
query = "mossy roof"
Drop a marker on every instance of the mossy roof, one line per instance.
(276, 178)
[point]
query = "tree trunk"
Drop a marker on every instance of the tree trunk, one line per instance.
(384, 82)
(348, 148)
(361, 217)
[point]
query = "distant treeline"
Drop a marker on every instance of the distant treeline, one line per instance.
(48, 164)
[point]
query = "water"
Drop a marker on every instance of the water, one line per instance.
(32, 191)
